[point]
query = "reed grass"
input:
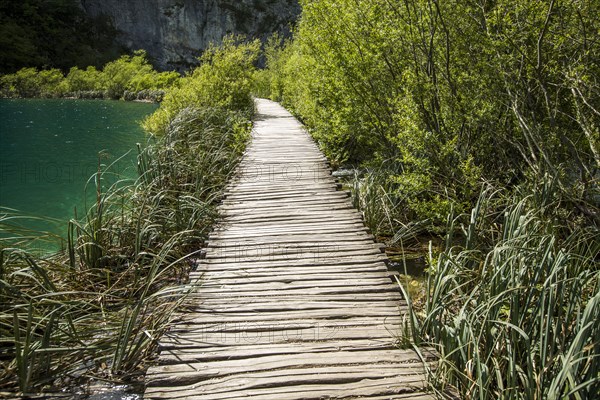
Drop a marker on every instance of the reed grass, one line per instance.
(514, 299)
(97, 308)
(376, 196)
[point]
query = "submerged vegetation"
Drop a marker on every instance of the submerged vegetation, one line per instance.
(433, 104)
(97, 309)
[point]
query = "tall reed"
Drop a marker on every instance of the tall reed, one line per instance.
(514, 300)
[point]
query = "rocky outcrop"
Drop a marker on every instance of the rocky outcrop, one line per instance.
(175, 32)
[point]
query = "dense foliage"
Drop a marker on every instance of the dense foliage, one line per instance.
(434, 102)
(451, 93)
(129, 77)
(224, 79)
(52, 34)
(98, 308)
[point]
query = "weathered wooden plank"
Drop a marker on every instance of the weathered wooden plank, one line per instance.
(258, 194)
(333, 286)
(216, 269)
(289, 320)
(239, 352)
(327, 260)
(306, 306)
(298, 377)
(325, 230)
(189, 373)
(251, 290)
(278, 220)
(209, 298)
(347, 278)
(307, 208)
(293, 329)
(324, 226)
(214, 335)
(350, 243)
(293, 241)
(285, 197)
(290, 249)
(293, 237)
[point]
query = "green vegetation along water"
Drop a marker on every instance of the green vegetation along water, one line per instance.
(95, 311)
(50, 148)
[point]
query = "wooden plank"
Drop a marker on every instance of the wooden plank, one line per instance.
(275, 295)
(277, 220)
(188, 373)
(232, 385)
(290, 249)
(334, 286)
(215, 268)
(345, 317)
(213, 335)
(296, 306)
(325, 230)
(293, 241)
(347, 277)
(290, 227)
(282, 237)
(288, 197)
(240, 352)
(317, 259)
(335, 290)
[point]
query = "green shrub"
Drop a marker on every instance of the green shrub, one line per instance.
(223, 80)
(29, 82)
(129, 77)
(84, 80)
(23, 83)
(127, 73)
(454, 93)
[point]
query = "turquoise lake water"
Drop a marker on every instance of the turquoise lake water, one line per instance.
(50, 148)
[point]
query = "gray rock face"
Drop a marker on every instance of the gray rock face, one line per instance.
(175, 32)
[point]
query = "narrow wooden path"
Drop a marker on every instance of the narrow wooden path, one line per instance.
(295, 302)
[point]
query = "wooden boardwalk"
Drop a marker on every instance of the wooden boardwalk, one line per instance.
(295, 301)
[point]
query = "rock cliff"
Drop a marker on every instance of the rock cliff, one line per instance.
(175, 32)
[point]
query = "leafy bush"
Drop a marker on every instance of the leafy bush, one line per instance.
(223, 80)
(129, 77)
(454, 93)
(128, 72)
(84, 80)
(28, 82)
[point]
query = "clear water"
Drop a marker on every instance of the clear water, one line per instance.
(49, 149)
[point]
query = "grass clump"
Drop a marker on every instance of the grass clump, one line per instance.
(513, 303)
(97, 309)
